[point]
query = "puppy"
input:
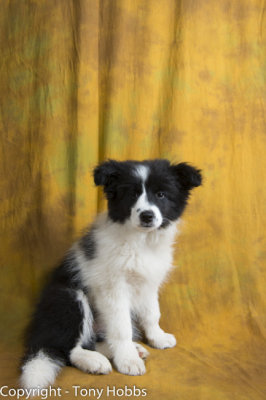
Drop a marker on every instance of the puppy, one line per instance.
(111, 276)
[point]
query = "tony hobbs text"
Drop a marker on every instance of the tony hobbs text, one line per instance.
(76, 390)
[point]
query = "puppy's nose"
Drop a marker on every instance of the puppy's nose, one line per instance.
(146, 216)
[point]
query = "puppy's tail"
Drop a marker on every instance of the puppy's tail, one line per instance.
(40, 370)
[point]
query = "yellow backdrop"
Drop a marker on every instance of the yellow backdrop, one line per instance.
(86, 80)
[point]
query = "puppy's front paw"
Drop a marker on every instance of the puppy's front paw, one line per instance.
(134, 366)
(162, 340)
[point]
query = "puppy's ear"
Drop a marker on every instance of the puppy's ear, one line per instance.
(104, 172)
(187, 175)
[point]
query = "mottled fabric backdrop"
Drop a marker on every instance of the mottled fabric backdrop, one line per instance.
(86, 80)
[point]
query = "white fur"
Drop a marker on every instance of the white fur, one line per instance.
(87, 329)
(124, 277)
(142, 172)
(86, 360)
(40, 372)
(104, 348)
(90, 361)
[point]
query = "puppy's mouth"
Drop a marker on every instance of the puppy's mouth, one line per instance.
(147, 225)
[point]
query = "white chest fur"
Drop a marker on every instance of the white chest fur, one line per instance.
(123, 278)
(127, 257)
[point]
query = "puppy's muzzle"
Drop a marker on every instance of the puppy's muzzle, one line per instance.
(147, 218)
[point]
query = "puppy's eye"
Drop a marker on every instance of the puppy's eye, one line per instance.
(160, 195)
(135, 194)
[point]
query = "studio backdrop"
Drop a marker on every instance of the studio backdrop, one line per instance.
(86, 80)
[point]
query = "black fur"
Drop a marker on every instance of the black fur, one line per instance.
(88, 244)
(57, 322)
(67, 273)
(122, 187)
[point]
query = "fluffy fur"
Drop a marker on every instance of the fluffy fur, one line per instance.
(108, 282)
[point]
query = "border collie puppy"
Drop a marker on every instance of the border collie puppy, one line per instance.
(109, 279)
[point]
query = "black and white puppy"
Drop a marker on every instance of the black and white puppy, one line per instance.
(112, 273)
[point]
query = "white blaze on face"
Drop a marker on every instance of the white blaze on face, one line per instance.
(143, 204)
(142, 172)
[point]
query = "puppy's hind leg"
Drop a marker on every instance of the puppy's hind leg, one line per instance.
(81, 356)
(90, 361)
(103, 348)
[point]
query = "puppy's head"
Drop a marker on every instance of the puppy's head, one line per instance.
(149, 194)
